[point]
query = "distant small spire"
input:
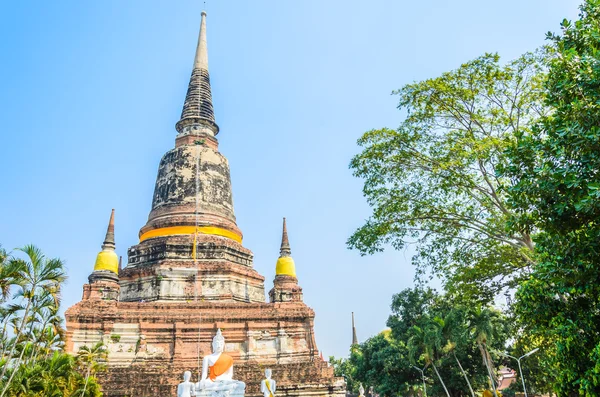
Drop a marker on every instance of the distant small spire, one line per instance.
(285, 242)
(120, 264)
(109, 240)
(354, 338)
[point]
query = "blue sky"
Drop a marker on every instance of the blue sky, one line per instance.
(91, 92)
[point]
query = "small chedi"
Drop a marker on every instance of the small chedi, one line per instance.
(190, 278)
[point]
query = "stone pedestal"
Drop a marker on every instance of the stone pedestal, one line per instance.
(239, 392)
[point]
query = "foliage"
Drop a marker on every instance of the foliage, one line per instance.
(52, 376)
(433, 181)
(556, 174)
(92, 361)
(32, 357)
(381, 362)
(426, 329)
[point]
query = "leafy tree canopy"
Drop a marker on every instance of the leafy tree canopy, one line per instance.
(434, 182)
(556, 173)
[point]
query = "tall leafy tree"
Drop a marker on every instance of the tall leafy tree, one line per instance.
(556, 189)
(36, 277)
(426, 344)
(434, 179)
(7, 275)
(92, 359)
(382, 362)
(53, 376)
(425, 329)
(484, 326)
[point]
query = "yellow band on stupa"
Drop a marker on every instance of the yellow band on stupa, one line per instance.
(174, 230)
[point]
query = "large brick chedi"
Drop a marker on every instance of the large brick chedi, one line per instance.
(190, 275)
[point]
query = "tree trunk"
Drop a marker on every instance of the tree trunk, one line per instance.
(14, 371)
(4, 335)
(484, 354)
(440, 378)
(87, 378)
(33, 339)
(464, 374)
(12, 349)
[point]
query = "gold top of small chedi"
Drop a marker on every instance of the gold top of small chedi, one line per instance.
(285, 285)
(285, 264)
(104, 280)
(107, 259)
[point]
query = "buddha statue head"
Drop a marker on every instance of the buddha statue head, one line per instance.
(268, 373)
(187, 375)
(218, 344)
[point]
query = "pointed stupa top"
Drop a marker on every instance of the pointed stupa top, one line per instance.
(354, 338)
(107, 258)
(109, 240)
(285, 264)
(285, 242)
(198, 114)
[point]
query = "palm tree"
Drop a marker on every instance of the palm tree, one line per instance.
(453, 331)
(91, 358)
(7, 275)
(44, 313)
(483, 328)
(34, 276)
(426, 343)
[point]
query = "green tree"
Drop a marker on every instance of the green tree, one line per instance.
(426, 343)
(52, 376)
(418, 317)
(346, 369)
(456, 337)
(458, 344)
(484, 326)
(92, 359)
(434, 180)
(36, 277)
(382, 362)
(556, 170)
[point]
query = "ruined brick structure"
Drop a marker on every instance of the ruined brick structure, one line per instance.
(190, 275)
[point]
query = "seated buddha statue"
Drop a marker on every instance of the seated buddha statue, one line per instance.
(217, 370)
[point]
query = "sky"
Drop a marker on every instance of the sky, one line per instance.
(91, 91)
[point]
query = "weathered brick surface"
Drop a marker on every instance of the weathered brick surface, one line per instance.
(158, 341)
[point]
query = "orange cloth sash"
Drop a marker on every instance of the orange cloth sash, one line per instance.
(223, 363)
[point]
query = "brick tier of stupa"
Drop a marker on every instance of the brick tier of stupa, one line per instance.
(190, 275)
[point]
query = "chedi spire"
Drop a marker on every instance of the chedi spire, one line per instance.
(285, 285)
(107, 259)
(285, 242)
(285, 264)
(197, 116)
(109, 240)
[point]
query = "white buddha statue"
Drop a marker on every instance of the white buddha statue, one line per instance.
(186, 388)
(217, 370)
(268, 385)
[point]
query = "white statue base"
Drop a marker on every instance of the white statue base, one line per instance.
(227, 391)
